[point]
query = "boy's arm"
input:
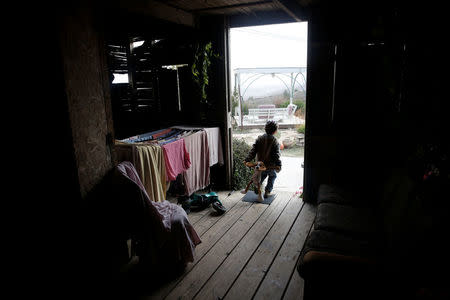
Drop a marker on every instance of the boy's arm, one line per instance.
(276, 156)
(252, 154)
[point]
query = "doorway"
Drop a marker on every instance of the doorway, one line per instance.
(268, 82)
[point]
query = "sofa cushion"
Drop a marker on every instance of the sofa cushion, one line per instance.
(346, 219)
(327, 253)
(350, 194)
(328, 241)
(330, 193)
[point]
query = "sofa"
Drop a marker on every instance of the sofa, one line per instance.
(341, 254)
(376, 240)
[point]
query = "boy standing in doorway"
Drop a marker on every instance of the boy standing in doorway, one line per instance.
(267, 150)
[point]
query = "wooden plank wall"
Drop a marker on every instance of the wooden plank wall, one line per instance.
(87, 98)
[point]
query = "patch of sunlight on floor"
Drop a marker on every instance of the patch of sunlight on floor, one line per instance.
(290, 178)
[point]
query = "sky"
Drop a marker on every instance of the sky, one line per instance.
(280, 45)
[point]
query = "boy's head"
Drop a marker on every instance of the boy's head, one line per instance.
(271, 127)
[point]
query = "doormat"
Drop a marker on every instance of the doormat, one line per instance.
(252, 197)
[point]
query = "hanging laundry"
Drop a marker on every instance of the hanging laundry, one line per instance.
(197, 176)
(162, 133)
(148, 136)
(152, 169)
(214, 142)
(150, 164)
(202, 149)
(215, 146)
(176, 158)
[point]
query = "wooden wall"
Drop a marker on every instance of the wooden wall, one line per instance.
(87, 93)
(367, 89)
(149, 101)
(135, 112)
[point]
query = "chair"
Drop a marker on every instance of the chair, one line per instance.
(160, 231)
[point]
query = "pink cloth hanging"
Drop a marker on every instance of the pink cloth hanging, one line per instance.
(176, 158)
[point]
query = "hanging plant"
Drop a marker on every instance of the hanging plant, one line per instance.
(200, 68)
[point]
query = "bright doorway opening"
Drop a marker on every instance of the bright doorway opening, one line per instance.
(268, 72)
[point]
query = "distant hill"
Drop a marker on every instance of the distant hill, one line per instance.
(273, 99)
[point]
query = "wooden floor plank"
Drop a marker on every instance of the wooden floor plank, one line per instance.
(196, 216)
(201, 272)
(211, 218)
(295, 288)
(294, 291)
(209, 238)
(250, 277)
(251, 250)
(276, 279)
(220, 228)
(223, 278)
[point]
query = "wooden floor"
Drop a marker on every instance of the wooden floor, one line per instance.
(249, 252)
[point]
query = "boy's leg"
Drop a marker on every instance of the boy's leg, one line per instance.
(264, 175)
(272, 175)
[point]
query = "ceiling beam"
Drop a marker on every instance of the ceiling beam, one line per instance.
(292, 8)
(240, 5)
(159, 10)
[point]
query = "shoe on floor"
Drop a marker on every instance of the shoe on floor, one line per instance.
(219, 207)
(267, 194)
(260, 198)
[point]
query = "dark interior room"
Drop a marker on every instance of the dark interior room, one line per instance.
(376, 144)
